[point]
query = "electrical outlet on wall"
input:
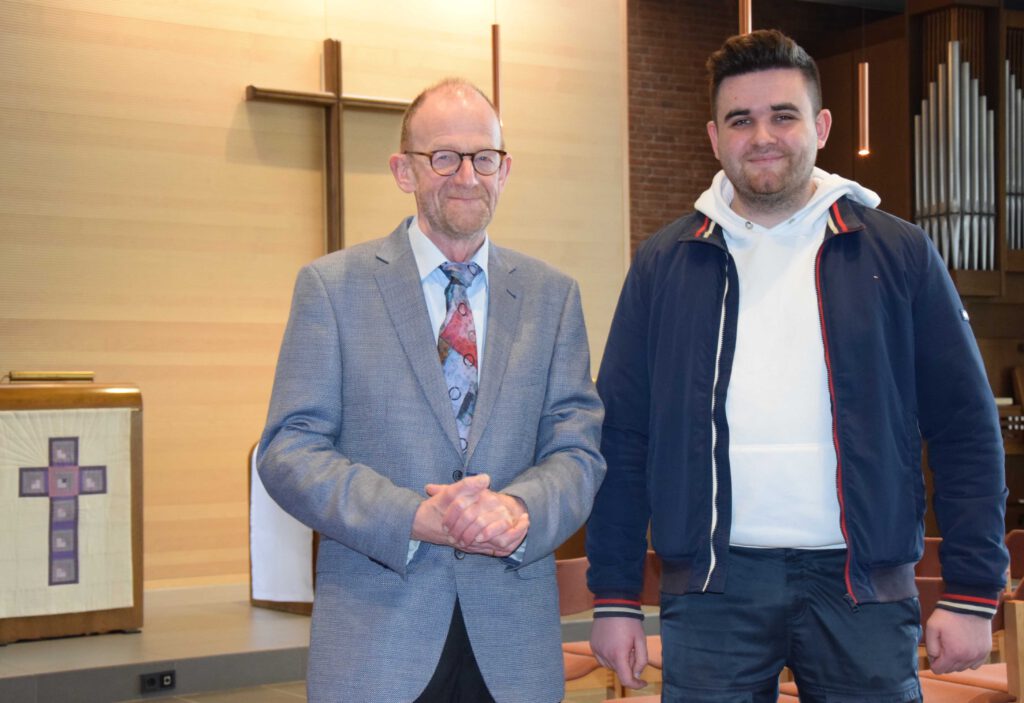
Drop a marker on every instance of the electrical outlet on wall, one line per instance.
(158, 681)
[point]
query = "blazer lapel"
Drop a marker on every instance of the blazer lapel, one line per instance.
(399, 282)
(502, 323)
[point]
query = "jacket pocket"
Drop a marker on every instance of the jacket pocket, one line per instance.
(538, 569)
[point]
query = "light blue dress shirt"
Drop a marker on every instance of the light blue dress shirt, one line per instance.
(434, 281)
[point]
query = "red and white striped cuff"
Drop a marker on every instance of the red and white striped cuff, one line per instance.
(972, 605)
(617, 608)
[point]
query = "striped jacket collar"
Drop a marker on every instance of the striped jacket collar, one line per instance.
(842, 219)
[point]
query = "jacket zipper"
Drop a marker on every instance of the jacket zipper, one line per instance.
(835, 425)
(712, 563)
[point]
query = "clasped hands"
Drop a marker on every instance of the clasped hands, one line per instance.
(469, 516)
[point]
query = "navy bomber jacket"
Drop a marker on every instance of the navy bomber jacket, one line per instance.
(902, 364)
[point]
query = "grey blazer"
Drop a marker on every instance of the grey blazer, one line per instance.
(360, 421)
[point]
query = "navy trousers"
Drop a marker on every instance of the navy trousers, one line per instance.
(786, 607)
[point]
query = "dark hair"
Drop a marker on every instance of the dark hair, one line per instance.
(761, 50)
(450, 84)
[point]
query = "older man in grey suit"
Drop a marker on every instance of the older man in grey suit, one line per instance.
(433, 418)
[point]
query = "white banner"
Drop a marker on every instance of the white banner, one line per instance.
(280, 548)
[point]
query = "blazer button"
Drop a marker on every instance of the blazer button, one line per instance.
(459, 554)
(457, 475)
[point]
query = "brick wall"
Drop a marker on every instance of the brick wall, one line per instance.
(670, 158)
(669, 40)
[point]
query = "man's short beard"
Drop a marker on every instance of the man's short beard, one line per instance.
(782, 200)
(443, 226)
(772, 202)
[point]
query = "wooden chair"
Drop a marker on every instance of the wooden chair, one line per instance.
(945, 692)
(1015, 545)
(582, 670)
(784, 697)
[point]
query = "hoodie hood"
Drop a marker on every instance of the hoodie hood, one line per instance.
(716, 201)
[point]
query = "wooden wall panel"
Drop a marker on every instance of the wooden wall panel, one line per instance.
(887, 170)
(840, 150)
(563, 111)
(152, 221)
(376, 205)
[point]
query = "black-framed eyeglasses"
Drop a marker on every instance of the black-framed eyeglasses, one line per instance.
(446, 162)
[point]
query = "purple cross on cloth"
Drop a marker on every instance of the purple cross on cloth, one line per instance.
(63, 481)
(456, 346)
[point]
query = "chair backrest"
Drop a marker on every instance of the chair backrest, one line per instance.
(1014, 649)
(1015, 545)
(573, 594)
(929, 564)
(999, 619)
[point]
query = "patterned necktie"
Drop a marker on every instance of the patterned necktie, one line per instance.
(456, 346)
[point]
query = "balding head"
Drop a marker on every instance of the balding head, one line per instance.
(458, 88)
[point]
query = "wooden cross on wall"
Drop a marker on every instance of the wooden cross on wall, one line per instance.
(332, 101)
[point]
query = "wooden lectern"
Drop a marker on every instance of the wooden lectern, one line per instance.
(70, 509)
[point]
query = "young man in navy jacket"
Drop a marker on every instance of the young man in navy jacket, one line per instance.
(775, 359)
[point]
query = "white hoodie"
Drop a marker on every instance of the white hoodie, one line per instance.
(781, 453)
